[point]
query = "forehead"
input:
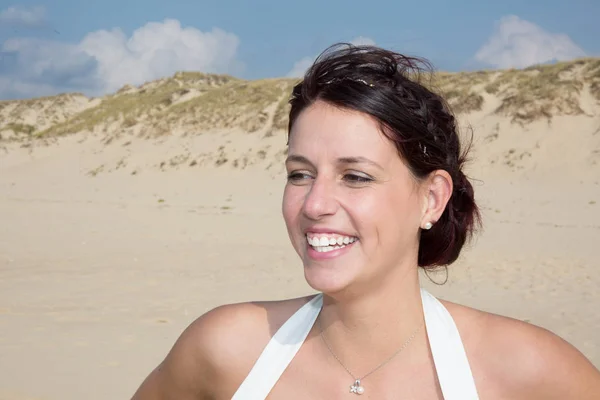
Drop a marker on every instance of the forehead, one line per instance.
(326, 129)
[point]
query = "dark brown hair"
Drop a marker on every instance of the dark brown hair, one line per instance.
(386, 85)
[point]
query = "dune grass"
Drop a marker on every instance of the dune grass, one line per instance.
(239, 104)
(592, 77)
(151, 98)
(19, 128)
(539, 92)
(280, 118)
(459, 89)
(224, 102)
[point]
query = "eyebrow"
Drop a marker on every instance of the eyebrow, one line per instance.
(358, 160)
(342, 160)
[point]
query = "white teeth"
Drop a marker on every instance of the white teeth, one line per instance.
(326, 249)
(330, 241)
(324, 244)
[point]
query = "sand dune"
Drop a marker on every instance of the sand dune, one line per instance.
(113, 238)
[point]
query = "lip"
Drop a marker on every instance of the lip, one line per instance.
(315, 255)
(316, 229)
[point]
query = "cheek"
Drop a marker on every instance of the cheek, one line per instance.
(292, 203)
(402, 219)
(386, 218)
(364, 210)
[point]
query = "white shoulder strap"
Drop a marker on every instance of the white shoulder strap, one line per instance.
(279, 352)
(452, 366)
(451, 363)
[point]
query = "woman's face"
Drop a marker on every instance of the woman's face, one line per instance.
(351, 206)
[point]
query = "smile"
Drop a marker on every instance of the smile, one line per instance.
(324, 243)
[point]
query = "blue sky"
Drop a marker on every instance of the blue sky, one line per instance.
(95, 47)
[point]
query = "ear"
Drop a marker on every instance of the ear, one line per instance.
(437, 192)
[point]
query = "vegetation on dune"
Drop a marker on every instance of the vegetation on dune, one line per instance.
(592, 77)
(127, 106)
(460, 79)
(526, 95)
(239, 104)
(5, 104)
(540, 91)
(19, 128)
(280, 118)
(193, 102)
(203, 79)
(151, 98)
(39, 103)
(463, 101)
(48, 109)
(459, 89)
(25, 117)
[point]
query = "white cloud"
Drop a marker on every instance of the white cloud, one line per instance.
(106, 60)
(517, 43)
(19, 16)
(302, 65)
(363, 41)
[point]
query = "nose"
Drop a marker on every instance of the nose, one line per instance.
(320, 200)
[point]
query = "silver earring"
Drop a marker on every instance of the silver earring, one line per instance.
(428, 225)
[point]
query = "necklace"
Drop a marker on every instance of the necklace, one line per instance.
(357, 387)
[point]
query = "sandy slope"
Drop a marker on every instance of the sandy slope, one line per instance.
(100, 272)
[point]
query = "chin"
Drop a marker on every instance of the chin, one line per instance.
(327, 277)
(329, 271)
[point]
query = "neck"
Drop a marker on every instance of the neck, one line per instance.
(364, 328)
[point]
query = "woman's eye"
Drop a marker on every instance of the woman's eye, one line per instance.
(354, 178)
(298, 176)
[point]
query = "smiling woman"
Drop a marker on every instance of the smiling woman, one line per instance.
(375, 191)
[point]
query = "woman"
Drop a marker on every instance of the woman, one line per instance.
(375, 190)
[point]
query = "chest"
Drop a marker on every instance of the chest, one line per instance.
(312, 376)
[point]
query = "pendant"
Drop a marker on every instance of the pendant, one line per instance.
(357, 388)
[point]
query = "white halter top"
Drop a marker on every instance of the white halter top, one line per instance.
(452, 367)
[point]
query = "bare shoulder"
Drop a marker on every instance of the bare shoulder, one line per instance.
(522, 360)
(233, 336)
(216, 351)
